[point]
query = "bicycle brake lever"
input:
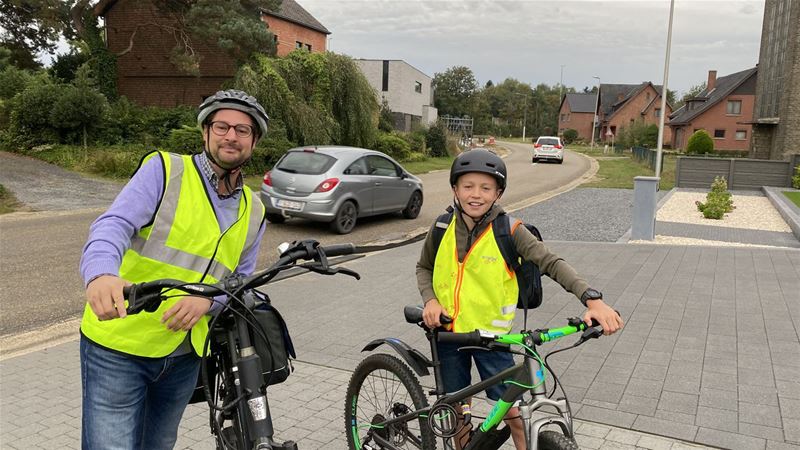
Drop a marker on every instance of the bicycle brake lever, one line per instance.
(590, 333)
(327, 270)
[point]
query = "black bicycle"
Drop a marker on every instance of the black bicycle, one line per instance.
(241, 360)
(386, 407)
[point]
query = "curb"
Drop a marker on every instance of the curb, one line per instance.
(787, 210)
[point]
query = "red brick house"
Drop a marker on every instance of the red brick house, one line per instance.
(622, 105)
(147, 77)
(576, 112)
(724, 109)
(295, 28)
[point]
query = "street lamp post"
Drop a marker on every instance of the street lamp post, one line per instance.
(664, 92)
(596, 106)
(525, 115)
(560, 93)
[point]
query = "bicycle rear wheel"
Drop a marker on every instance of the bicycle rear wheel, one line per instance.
(553, 440)
(381, 388)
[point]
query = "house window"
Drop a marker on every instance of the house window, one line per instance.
(308, 47)
(275, 39)
(563, 117)
(734, 107)
(741, 135)
(647, 95)
(719, 134)
(418, 87)
(657, 112)
(385, 76)
(298, 45)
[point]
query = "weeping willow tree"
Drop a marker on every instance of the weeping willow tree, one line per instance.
(315, 98)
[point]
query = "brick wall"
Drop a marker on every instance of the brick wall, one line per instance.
(632, 111)
(289, 33)
(580, 122)
(716, 118)
(145, 75)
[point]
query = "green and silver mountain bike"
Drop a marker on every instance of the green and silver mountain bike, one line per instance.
(386, 407)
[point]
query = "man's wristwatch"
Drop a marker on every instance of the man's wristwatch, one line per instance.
(590, 294)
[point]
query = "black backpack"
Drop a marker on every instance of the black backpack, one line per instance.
(529, 277)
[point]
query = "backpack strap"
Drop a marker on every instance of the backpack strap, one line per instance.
(440, 226)
(502, 234)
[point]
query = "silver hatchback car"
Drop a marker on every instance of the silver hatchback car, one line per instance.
(339, 185)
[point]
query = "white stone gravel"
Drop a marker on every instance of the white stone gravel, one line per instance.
(752, 212)
(677, 240)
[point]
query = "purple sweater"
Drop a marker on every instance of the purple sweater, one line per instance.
(110, 234)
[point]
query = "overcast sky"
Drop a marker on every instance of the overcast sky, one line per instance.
(619, 41)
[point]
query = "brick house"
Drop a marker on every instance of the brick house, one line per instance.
(295, 28)
(145, 74)
(622, 105)
(576, 112)
(723, 109)
(406, 89)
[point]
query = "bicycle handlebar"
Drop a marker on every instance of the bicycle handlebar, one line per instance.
(147, 296)
(479, 338)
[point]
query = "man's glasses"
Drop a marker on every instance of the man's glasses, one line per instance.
(241, 130)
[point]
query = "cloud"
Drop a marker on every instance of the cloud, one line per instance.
(620, 41)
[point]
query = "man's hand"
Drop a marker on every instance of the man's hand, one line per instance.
(604, 314)
(104, 295)
(184, 314)
(432, 312)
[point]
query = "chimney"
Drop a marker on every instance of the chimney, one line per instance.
(712, 80)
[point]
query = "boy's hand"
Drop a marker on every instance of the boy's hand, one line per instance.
(604, 314)
(433, 310)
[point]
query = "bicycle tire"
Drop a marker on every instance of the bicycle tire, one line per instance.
(553, 440)
(366, 405)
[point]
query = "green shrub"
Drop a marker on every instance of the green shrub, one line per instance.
(29, 115)
(116, 164)
(699, 143)
(415, 157)
(416, 140)
(13, 81)
(393, 145)
(570, 135)
(184, 140)
(268, 151)
(436, 140)
(77, 113)
(718, 201)
(796, 178)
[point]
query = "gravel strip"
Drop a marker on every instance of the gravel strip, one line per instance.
(752, 212)
(583, 214)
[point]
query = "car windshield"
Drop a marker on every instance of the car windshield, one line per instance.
(307, 163)
(547, 141)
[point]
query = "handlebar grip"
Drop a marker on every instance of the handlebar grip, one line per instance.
(471, 338)
(126, 291)
(339, 249)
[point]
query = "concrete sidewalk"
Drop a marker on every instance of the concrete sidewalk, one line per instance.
(709, 354)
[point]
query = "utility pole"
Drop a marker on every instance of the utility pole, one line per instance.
(525, 115)
(596, 107)
(664, 92)
(560, 98)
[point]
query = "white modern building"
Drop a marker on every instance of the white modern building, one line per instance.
(406, 89)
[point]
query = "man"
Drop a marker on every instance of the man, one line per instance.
(184, 217)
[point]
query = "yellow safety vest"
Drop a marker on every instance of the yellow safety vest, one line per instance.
(179, 244)
(479, 293)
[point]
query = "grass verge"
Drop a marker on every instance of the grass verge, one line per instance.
(619, 173)
(793, 196)
(8, 203)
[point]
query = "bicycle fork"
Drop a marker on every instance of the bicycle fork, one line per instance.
(248, 379)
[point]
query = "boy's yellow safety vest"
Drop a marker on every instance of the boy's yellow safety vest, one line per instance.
(479, 293)
(179, 244)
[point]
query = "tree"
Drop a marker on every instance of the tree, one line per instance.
(700, 143)
(693, 91)
(385, 119)
(30, 27)
(454, 89)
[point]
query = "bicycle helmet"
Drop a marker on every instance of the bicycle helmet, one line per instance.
(482, 161)
(233, 99)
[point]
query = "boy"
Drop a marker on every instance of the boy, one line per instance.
(467, 278)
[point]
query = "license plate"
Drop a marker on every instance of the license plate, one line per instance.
(288, 204)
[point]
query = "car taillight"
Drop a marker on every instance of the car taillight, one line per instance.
(327, 185)
(537, 145)
(267, 179)
(558, 147)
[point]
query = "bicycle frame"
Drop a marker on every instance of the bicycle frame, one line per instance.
(521, 378)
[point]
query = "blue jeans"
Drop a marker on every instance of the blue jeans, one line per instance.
(456, 368)
(133, 403)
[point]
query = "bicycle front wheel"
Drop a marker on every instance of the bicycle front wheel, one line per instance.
(382, 388)
(553, 440)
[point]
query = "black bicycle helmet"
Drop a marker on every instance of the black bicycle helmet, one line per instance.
(482, 161)
(238, 100)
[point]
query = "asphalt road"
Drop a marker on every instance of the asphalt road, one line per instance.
(39, 251)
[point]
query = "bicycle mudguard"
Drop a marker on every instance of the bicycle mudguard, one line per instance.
(412, 356)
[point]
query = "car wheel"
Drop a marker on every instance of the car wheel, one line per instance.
(345, 219)
(560, 161)
(414, 206)
(276, 218)
(534, 160)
